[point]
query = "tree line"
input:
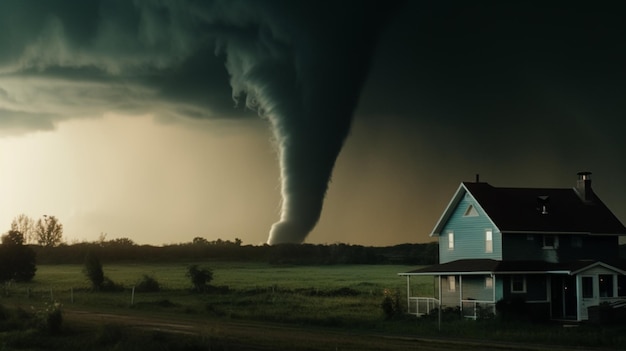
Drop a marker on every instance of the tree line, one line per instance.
(125, 250)
(29, 242)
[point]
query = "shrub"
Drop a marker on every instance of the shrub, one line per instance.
(50, 318)
(514, 308)
(109, 285)
(147, 284)
(200, 277)
(93, 271)
(17, 261)
(391, 303)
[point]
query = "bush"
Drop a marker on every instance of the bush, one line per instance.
(147, 284)
(17, 261)
(391, 304)
(93, 271)
(50, 318)
(109, 285)
(512, 309)
(200, 277)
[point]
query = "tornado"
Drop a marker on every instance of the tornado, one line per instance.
(302, 66)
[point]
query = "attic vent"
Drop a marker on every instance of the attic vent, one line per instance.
(470, 212)
(542, 204)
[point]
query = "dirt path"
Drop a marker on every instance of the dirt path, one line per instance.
(246, 335)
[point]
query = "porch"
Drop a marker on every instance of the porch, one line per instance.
(474, 295)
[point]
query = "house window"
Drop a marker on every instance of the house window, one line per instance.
(488, 241)
(518, 284)
(488, 282)
(606, 285)
(451, 283)
(471, 211)
(450, 241)
(550, 242)
(577, 241)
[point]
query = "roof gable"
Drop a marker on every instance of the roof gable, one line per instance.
(472, 211)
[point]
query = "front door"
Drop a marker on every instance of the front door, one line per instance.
(563, 297)
(589, 294)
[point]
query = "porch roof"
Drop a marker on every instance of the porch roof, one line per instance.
(488, 266)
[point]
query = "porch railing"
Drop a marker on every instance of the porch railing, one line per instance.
(475, 308)
(420, 306)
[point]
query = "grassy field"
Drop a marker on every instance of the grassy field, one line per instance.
(237, 276)
(323, 295)
(345, 297)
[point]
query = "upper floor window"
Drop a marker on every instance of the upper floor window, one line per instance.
(518, 284)
(488, 241)
(550, 242)
(577, 241)
(450, 241)
(488, 282)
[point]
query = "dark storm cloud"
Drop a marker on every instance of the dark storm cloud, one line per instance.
(301, 65)
(503, 79)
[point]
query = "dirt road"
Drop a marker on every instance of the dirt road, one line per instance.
(250, 335)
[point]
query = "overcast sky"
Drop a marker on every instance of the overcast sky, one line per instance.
(163, 121)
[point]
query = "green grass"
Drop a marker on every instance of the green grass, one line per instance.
(300, 294)
(343, 296)
(237, 276)
(332, 296)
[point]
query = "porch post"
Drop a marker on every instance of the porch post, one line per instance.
(408, 293)
(579, 290)
(493, 288)
(461, 292)
(439, 309)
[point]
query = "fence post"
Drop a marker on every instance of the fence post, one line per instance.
(72, 295)
(51, 296)
(132, 297)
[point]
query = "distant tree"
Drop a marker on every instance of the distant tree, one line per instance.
(93, 270)
(17, 261)
(49, 231)
(24, 225)
(200, 277)
(121, 242)
(199, 241)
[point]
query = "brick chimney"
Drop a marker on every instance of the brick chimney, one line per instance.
(583, 186)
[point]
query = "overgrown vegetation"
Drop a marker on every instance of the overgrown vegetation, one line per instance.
(147, 284)
(46, 319)
(17, 261)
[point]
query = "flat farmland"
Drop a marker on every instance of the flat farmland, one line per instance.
(258, 306)
(235, 275)
(334, 295)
